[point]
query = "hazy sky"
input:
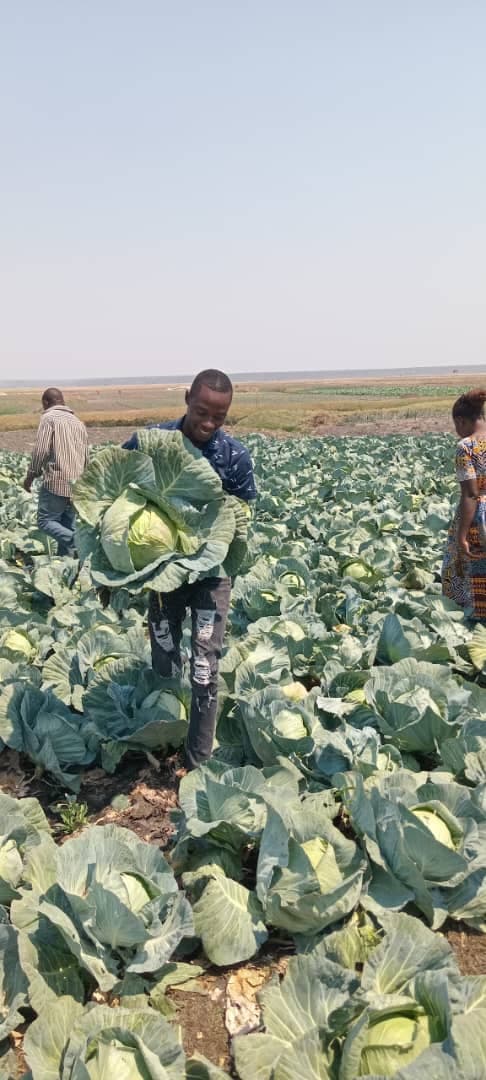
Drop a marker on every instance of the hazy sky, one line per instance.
(245, 184)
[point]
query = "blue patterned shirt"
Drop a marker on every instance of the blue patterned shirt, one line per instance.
(228, 457)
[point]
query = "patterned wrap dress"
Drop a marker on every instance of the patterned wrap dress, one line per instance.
(463, 578)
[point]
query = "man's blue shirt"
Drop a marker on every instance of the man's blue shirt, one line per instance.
(228, 457)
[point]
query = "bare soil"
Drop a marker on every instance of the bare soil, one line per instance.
(469, 947)
(397, 425)
(201, 1017)
(139, 796)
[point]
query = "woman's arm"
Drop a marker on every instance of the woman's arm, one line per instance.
(467, 510)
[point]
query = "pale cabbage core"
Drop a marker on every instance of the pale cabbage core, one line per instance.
(322, 858)
(357, 570)
(151, 535)
(18, 642)
(395, 1041)
(295, 691)
(437, 827)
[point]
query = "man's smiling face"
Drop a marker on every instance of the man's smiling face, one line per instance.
(206, 412)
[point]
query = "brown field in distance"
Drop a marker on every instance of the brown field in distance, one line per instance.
(320, 407)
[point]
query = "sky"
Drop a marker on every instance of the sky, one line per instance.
(253, 185)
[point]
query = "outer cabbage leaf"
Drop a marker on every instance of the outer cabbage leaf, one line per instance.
(41, 726)
(298, 1014)
(13, 983)
(229, 920)
(23, 826)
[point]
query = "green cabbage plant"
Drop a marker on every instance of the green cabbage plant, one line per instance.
(68, 1041)
(387, 1039)
(157, 516)
(109, 901)
(128, 706)
(350, 1008)
(425, 843)
(309, 875)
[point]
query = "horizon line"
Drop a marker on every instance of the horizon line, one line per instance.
(289, 375)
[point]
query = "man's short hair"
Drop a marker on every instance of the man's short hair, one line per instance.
(52, 396)
(215, 380)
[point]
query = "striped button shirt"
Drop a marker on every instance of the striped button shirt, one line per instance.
(61, 450)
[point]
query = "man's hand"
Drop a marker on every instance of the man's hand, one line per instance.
(27, 484)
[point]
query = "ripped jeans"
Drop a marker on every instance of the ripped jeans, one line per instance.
(208, 601)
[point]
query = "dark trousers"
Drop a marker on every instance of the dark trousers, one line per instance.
(208, 601)
(56, 517)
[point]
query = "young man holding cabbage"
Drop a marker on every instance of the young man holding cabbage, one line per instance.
(207, 404)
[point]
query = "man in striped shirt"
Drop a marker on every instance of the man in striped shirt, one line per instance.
(60, 455)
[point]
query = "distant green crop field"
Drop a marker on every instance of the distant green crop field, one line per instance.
(387, 390)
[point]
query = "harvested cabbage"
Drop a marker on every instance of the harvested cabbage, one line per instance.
(151, 535)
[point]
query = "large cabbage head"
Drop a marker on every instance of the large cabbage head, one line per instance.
(151, 535)
(394, 1039)
(292, 580)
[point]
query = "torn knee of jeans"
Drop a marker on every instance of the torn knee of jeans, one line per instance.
(204, 624)
(162, 635)
(202, 671)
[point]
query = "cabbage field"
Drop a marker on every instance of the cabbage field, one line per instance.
(341, 821)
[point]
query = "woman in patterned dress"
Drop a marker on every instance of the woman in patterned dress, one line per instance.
(464, 566)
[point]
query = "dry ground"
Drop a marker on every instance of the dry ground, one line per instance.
(22, 440)
(219, 999)
(321, 407)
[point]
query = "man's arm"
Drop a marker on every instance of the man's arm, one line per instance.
(40, 453)
(244, 479)
(131, 443)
